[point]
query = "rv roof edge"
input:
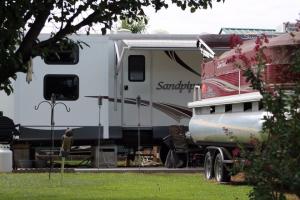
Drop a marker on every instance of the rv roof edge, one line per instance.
(233, 99)
(131, 36)
(212, 40)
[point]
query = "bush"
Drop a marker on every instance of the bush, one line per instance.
(274, 164)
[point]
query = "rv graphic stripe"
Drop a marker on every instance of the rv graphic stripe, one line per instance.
(173, 56)
(185, 111)
(174, 111)
(226, 86)
(127, 100)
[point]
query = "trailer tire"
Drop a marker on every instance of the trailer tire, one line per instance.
(208, 166)
(221, 173)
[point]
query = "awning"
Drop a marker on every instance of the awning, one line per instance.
(241, 31)
(127, 42)
(161, 44)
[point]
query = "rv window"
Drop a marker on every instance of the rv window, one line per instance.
(68, 55)
(65, 87)
(228, 108)
(248, 106)
(136, 68)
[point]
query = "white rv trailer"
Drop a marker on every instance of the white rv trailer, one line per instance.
(161, 69)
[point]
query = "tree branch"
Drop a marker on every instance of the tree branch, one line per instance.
(66, 30)
(25, 49)
(80, 9)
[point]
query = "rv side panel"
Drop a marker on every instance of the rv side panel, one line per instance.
(91, 73)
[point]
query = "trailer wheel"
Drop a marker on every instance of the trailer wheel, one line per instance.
(208, 166)
(221, 173)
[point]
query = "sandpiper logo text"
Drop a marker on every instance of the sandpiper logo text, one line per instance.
(180, 86)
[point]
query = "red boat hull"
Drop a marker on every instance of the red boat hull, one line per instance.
(222, 77)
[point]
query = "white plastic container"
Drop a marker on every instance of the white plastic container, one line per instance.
(5, 158)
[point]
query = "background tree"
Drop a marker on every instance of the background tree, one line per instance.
(21, 23)
(138, 26)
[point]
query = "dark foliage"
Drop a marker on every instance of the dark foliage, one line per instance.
(22, 21)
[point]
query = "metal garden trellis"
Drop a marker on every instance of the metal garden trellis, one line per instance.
(52, 104)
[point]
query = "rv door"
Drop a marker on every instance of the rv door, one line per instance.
(136, 82)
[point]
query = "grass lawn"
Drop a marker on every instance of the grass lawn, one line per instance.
(113, 186)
